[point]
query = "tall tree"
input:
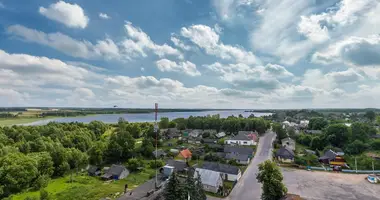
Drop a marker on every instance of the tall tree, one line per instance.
(121, 145)
(362, 131)
(17, 171)
(338, 134)
(271, 178)
(96, 153)
(317, 123)
(173, 189)
(164, 123)
(200, 193)
(281, 133)
(98, 127)
(371, 115)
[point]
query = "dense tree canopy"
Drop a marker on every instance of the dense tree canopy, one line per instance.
(271, 178)
(338, 134)
(317, 123)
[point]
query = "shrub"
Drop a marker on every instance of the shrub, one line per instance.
(134, 164)
(155, 165)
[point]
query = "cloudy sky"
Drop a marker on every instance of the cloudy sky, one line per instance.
(190, 53)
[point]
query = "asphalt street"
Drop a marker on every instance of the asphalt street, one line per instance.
(248, 188)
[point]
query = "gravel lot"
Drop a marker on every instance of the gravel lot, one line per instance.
(314, 185)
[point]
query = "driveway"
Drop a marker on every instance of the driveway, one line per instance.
(248, 188)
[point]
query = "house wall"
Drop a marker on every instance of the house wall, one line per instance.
(124, 174)
(241, 142)
(232, 177)
(284, 160)
(213, 189)
(244, 162)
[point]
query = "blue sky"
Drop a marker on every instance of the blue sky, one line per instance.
(190, 53)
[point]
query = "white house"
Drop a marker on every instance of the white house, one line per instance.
(195, 133)
(211, 180)
(243, 138)
(228, 172)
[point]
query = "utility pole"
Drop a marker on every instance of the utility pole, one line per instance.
(156, 131)
(373, 167)
(356, 166)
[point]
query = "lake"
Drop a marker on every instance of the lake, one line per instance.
(145, 117)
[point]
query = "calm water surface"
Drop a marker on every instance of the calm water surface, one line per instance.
(146, 117)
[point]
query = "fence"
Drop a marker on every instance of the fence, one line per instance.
(347, 170)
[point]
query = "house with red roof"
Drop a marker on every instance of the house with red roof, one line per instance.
(186, 153)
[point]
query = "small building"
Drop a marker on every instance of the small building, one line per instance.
(93, 170)
(116, 172)
(285, 155)
(220, 135)
(211, 180)
(179, 165)
(243, 159)
(228, 172)
(333, 158)
(186, 154)
(289, 142)
(174, 151)
(159, 154)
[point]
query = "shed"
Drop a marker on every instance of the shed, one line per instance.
(116, 172)
(93, 170)
(160, 153)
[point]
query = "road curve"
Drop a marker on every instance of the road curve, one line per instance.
(248, 188)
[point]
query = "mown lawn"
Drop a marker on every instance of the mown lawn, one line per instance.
(85, 187)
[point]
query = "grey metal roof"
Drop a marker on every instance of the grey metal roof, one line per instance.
(329, 154)
(241, 136)
(209, 141)
(239, 157)
(285, 152)
(178, 165)
(224, 168)
(239, 150)
(92, 169)
(208, 177)
(116, 170)
(160, 152)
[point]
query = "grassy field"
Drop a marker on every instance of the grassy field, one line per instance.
(86, 187)
(20, 120)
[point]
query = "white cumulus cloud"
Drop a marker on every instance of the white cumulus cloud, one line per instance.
(71, 15)
(186, 67)
(104, 16)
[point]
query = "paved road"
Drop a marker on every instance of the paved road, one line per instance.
(248, 188)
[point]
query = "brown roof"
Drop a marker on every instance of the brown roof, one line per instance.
(186, 153)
